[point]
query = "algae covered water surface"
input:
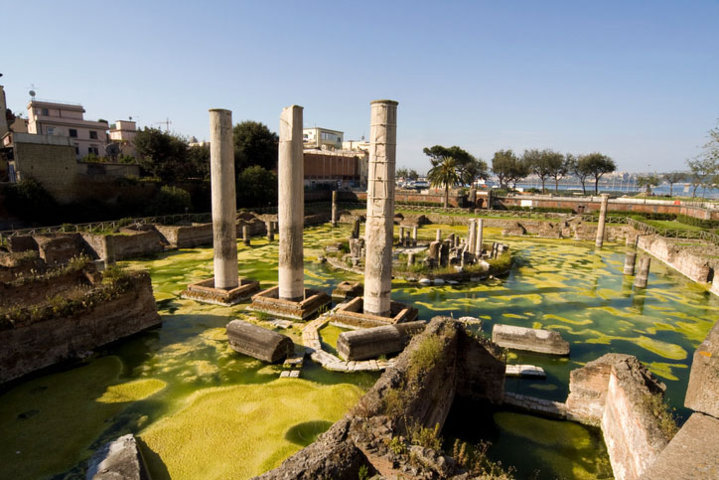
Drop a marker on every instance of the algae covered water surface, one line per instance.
(201, 410)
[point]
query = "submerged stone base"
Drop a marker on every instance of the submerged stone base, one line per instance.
(268, 301)
(352, 314)
(346, 290)
(373, 342)
(206, 292)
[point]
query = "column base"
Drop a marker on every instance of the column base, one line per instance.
(352, 313)
(205, 292)
(268, 301)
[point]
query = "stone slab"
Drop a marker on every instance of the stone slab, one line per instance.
(529, 339)
(119, 459)
(258, 342)
(703, 389)
(691, 454)
(525, 371)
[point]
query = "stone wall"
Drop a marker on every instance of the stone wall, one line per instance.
(186, 236)
(41, 344)
(703, 389)
(619, 394)
(127, 243)
(419, 389)
(54, 166)
(697, 268)
(30, 292)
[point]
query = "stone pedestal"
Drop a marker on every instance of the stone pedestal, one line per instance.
(291, 203)
(438, 236)
(246, 235)
(380, 207)
(270, 231)
(602, 221)
(222, 178)
(414, 236)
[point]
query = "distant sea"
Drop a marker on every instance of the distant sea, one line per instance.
(679, 189)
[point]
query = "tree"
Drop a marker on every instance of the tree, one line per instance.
(256, 187)
(198, 157)
(702, 170)
(672, 178)
(648, 181)
(466, 168)
(596, 165)
(544, 164)
(444, 173)
(254, 144)
(162, 154)
(508, 168)
(578, 170)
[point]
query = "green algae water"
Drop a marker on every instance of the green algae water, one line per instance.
(201, 410)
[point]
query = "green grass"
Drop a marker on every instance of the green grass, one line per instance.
(673, 225)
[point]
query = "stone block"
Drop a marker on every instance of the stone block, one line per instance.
(205, 292)
(529, 339)
(258, 342)
(373, 342)
(119, 459)
(703, 389)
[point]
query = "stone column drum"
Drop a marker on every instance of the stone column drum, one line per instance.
(471, 235)
(602, 221)
(380, 207)
(222, 179)
(291, 205)
(629, 260)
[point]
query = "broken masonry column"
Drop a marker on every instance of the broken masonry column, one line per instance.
(291, 205)
(269, 225)
(471, 235)
(642, 278)
(602, 220)
(480, 237)
(222, 179)
(334, 208)
(438, 237)
(380, 207)
(629, 261)
(246, 235)
(414, 236)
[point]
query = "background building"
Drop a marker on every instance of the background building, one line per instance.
(317, 137)
(123, 132)
(64, 119)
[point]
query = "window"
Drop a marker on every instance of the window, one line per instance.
(77, 150)
(73, 133)
(50, 130)
(93, 149)
(93, 134)
(44, 111)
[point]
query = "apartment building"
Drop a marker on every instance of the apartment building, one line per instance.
(64, 119)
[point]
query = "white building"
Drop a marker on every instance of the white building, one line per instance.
(317, 137)
(63, 119)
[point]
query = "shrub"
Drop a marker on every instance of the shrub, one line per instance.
(170, 200)
(29, 201)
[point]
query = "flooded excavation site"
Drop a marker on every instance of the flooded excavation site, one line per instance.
(201, 410)
(363, 342)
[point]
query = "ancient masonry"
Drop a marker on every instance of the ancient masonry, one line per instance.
(290, 299)
(380, 207)
(225, 288)
(602, 221)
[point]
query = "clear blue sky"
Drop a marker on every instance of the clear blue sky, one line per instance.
(638, 81)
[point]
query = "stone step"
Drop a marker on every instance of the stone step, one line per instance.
(525, 371)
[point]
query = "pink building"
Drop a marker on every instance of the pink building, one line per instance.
(62, 119)
(123, 132)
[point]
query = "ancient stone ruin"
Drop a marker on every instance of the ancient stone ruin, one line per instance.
(258, 342)
(529, 339)
(290, 298)
(225, 288)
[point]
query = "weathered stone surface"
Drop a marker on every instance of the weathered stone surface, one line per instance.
(26, 348)
(258, 342)
(290, 207)
(205, 291)
(346, 290)
(695, 266)
(531, 371)
(629, 261)
(373, 342)
(310, 302)
(602, 221)
(118, 460)
(424, 397)
(222, 180)
(642, 277)
(529, 339)
(186, 236)
(352, 314)
(59, 248)
(691, 454)
(628, 399)
(703, 389)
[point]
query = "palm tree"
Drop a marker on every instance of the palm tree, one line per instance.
(444, 172)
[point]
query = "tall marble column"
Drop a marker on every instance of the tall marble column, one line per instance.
(334, 208)
(602, 220)
(291, 205)
(380, 207)
(471, 235)
(222, 179)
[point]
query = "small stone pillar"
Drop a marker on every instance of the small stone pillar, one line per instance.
(438, 237)
(401, 235)
(269, 225)
(3, 107)
(355, 229)
(471, 235)
(489, 199)
(380, 207)
(222, 180)
(410, 259)
(640, 281)
(414, 236)
(480, 237)
(629, 260)
(246, 235)
(291, 205)
(602, 220)
(334, 208)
